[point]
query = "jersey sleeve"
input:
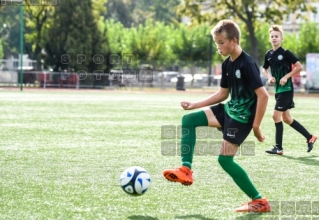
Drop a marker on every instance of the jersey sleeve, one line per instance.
(252, 73)
(291, 58)
(224, 81)
(266, 63)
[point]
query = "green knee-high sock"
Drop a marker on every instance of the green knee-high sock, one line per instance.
(239, 176)
(188, 135)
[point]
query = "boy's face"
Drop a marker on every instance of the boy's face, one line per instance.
(275, 38)
(224, 45)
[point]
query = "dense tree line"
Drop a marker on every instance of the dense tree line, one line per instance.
(85, 35)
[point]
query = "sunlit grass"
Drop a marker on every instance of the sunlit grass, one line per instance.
(62, 154)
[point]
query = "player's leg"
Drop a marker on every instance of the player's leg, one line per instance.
(204, 117)
(240, 177)
(211, 117)
(188, 139)
(234, 134)
(280, 106)
(279, 130)
(188, 134)
(286, 117)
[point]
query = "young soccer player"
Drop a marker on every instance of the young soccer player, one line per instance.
(280, 62)
(243, 112)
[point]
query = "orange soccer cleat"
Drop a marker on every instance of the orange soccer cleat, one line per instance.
(257, 205)
(183, 175)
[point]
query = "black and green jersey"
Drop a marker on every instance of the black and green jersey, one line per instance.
(241, 77)
(280, 62)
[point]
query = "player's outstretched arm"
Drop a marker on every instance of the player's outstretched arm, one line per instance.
(219, 96)
(262, 101)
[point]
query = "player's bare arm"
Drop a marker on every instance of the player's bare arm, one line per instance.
(262, 102)
(221, 95)
(270, 78)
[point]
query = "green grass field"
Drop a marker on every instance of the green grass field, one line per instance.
(62, 154)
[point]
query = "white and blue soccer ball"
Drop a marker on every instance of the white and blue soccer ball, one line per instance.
(135, 181)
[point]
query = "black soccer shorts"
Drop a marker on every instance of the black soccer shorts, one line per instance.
(284, 101)
(234, 131)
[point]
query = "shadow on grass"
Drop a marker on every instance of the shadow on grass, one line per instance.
(309, 160)
(194, 217)
(142, 217)
(250, 216)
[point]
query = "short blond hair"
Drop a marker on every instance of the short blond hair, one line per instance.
(276, 28)
(228, 28)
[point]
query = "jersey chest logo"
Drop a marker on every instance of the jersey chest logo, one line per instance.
(238, 74)
(280, 57)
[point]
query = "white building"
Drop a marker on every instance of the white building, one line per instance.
(14, 63)
(292, 24)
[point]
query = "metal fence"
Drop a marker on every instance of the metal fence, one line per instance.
(113, 80)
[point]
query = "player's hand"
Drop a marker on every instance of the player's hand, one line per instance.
(283, 81)
(258, 134)
(187, 105)
(272, 80)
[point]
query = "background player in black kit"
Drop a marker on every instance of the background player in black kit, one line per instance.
(280, 62)
(236, 118)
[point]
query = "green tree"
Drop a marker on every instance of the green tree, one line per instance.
(37, 19)
(132, 13)
(148, 43)
(290, 42)
(10, 30)
(251, 13)
(191, 46)
(121, 11)
(308, 40)
(263, 40)
(99, 8)
(164, 11)
(118, 39)
(75, 33)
